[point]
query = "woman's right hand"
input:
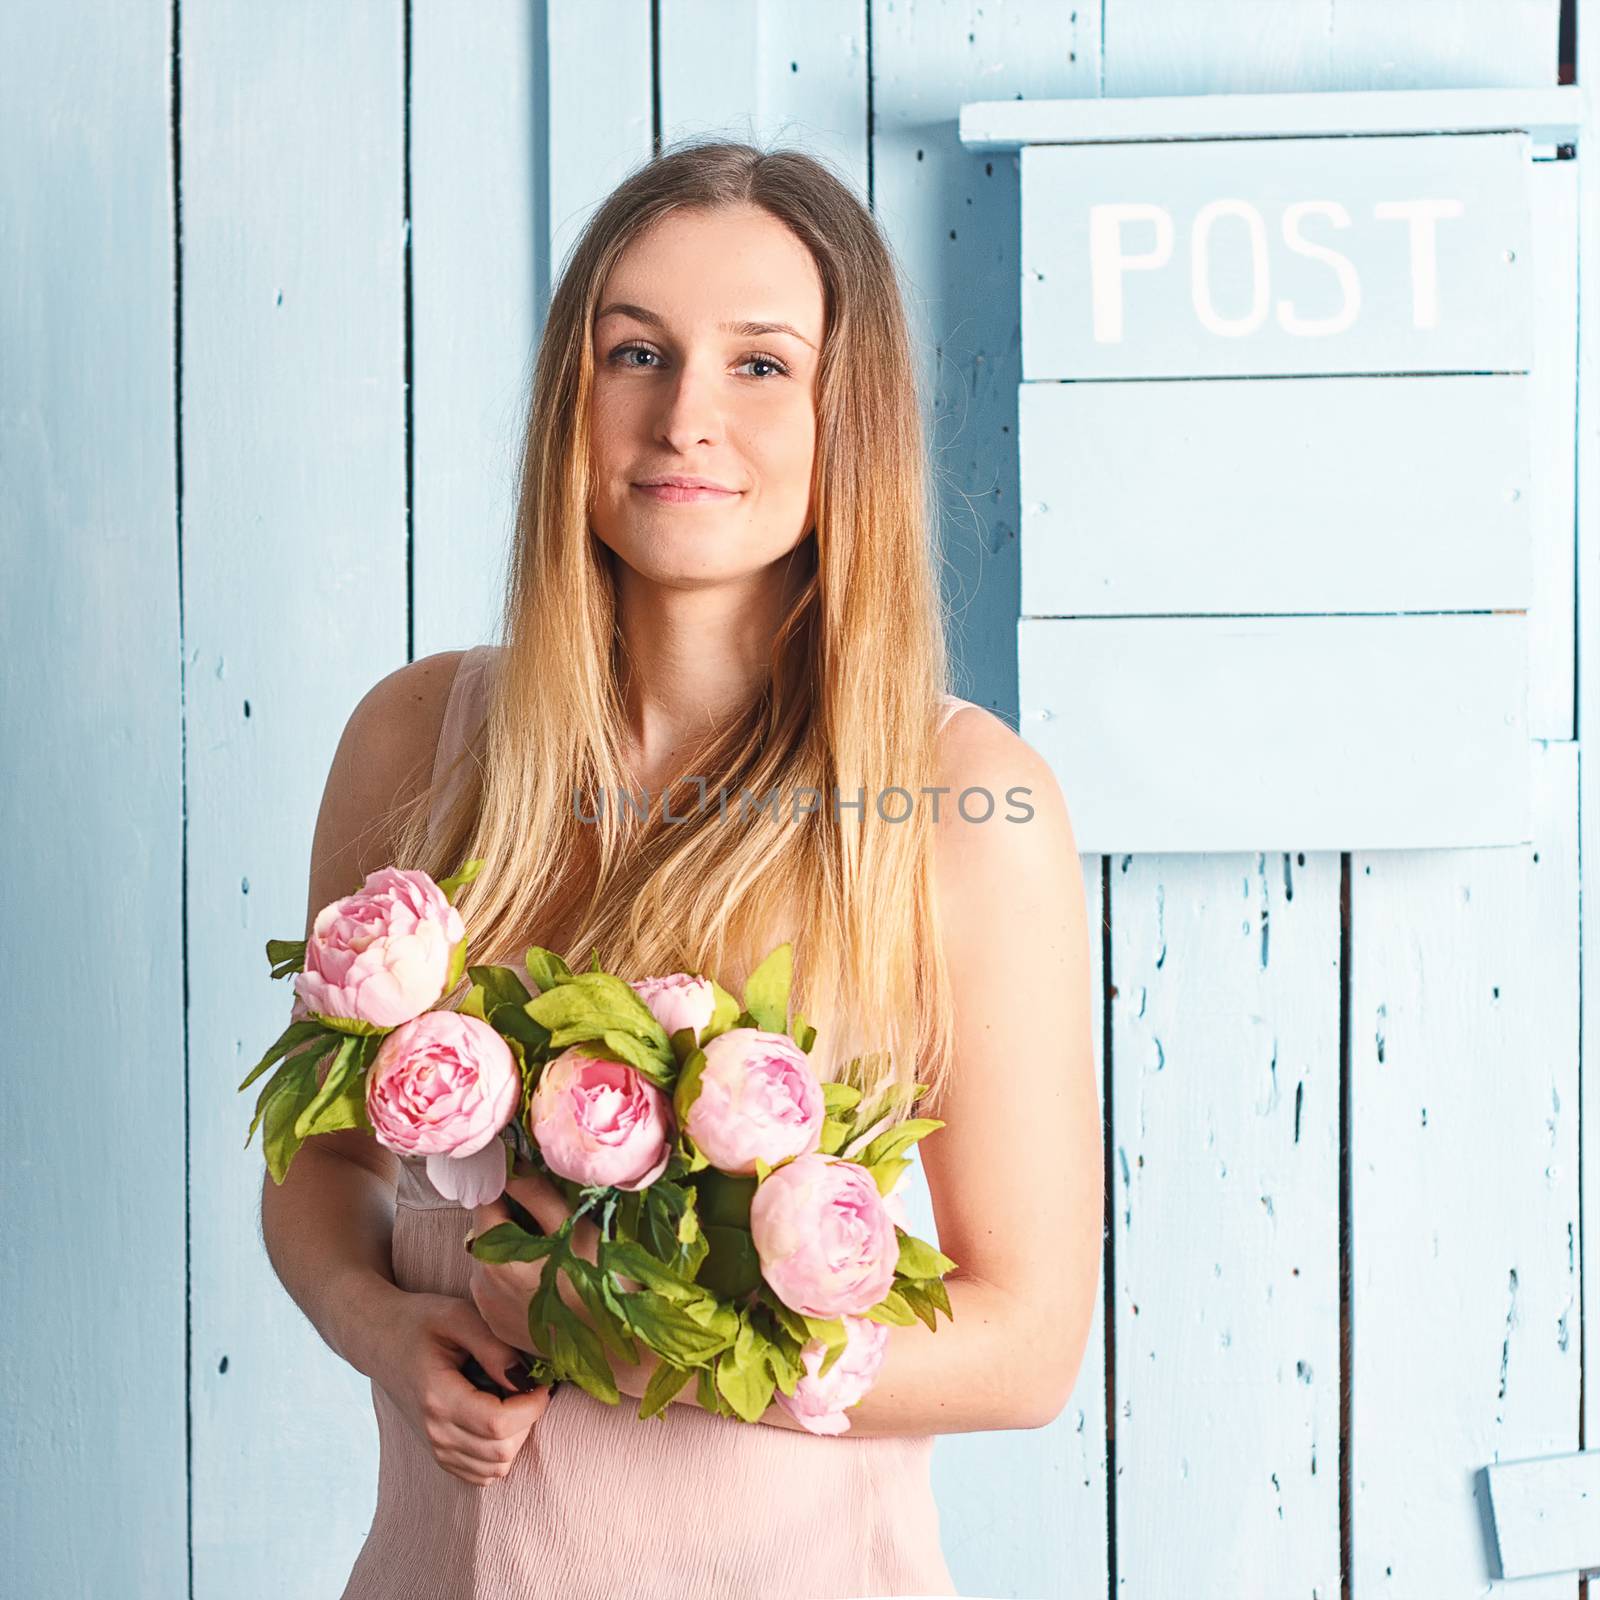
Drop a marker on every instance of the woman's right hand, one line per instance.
(472, 1434)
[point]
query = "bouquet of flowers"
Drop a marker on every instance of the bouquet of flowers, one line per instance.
(749, 1230)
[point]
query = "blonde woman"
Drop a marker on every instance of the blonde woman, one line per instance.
(723, 582)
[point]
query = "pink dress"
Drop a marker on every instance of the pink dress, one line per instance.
(600, 1505)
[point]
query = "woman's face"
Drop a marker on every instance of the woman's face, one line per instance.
(693, 379)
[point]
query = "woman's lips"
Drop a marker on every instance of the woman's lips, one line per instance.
(672, 493)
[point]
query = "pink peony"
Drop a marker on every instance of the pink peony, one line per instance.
(758, 1097)
(826, 1242)
(472, 1180)
(818, 1403)
(678, 1001)
(600, 1122)
(443, 1084)
(381, 955)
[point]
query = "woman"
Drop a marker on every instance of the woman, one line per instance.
(733, 317)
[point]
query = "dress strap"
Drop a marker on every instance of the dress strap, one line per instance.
(463, 710)
(952, 704)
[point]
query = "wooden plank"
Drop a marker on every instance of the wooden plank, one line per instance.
(1464, 1188)
(1021, 1513)
(1548, 116)
(1277, 733)
(92, 1378)
(1588, 694)
(1315, 494)
(1552, 395)
(1225, 1223)
(1266, 257)
(294, 587)
(1546, 1514)
(769, 73)
(1179, 46)
(479, 235)
(593, 139)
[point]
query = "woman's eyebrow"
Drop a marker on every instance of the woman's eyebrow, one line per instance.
(745, 330)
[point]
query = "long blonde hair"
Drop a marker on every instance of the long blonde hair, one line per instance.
(856, 674)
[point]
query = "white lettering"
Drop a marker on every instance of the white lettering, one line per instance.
(1421, 215)
(1108, 262)
(1200, 268)
(1343, 267)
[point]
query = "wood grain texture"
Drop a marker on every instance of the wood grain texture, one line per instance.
(294, 525)
(92, 1477)
(1464, 1187)
(1225, 1222)
(1243, 46)
(1327, 733)
(1552, 437)
(1546, 1514)
(1021, 1513)
(1307, 495)
(479, 257)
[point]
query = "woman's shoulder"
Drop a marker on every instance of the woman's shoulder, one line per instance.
(386, 752)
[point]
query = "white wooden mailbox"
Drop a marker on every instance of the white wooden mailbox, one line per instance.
(1296, 456)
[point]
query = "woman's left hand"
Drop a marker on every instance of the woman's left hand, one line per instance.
(502, 1292)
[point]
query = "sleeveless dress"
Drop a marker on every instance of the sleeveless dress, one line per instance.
(599, 1505)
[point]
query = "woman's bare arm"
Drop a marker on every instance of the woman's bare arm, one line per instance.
(340, 1275)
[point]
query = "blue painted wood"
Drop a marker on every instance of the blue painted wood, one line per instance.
(1021, 1513)
(1283, 733)
(1181, 46)
(1258, 257)
(91, 808)
(1547, 116)
(479, 242)
(294, 585)
(1307, 495)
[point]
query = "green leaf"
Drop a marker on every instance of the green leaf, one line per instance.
(894, 1140)
(615, 1045)
(893, 1309)
(609, 1323)
(546, 968)
(591, 1003)
(917, 1297)
(921, 1260)
(449, 886)
(724, 1012)
(458, 965)
(838, 1096)
(724, 1197)
(291, 1091)
(804, 1034)
(835, 1136)
(667, 1379)
(579, 1354)
(287, 1042)
(732, 1268)
(341, 1102)
(671, 1331)
(634, 1261)
(505, 1241)
(790, 1321)
(766, 993)
(501, 986)
(706, 1391)
(744, 1379)
(687, 1089)
(830, 1330)
(886, 1174)
(286, 956)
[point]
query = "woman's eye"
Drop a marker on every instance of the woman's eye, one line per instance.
(756, 358)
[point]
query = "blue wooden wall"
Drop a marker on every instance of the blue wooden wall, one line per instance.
(274, 276)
